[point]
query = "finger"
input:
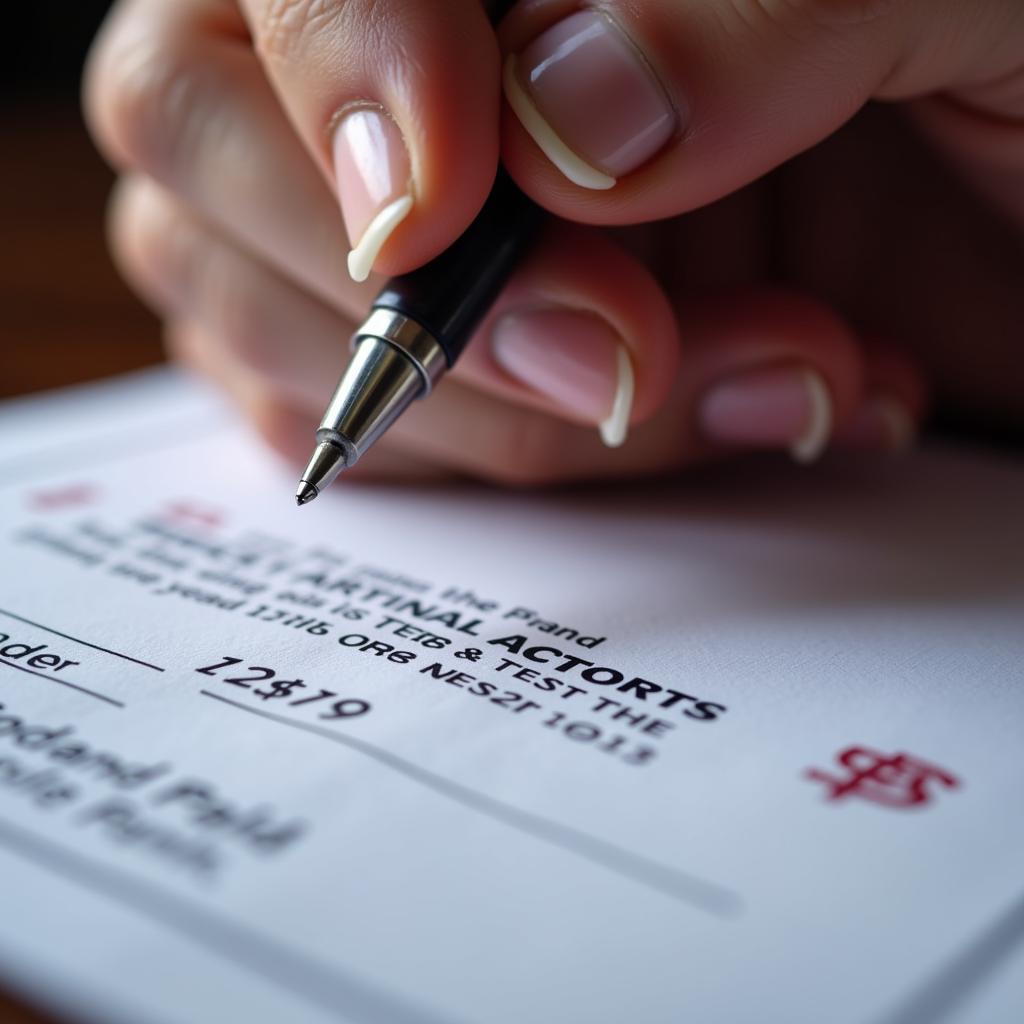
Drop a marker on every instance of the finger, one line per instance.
(768, 369)
(637, 111)
(398, 103)
(273, 419)
(189, 271)
(421, 448)
(175, 91)
(275, 349)
(284, 427)
(761, 370)
(583, 332)
(894, 405)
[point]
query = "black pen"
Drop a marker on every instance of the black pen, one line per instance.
(418, 327)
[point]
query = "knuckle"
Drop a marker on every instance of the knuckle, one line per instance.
(142, 93)
(239, 313)
(184, 268)
(123, 229)
(229, 309)
(177, 344)
(283, 26)
(824, 13)
(342, 32)
(240, 321)
(152, 241)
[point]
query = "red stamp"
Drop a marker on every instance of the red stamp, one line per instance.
(72, 496)
(896, 780)
(188, 513)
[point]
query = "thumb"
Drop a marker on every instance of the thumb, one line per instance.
(642, 109)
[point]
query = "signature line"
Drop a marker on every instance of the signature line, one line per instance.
(84, 643)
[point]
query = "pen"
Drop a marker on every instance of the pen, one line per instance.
(418, 327)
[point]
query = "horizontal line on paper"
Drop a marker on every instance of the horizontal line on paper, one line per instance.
(84, 643)
(703, 895)
(64, 682)
(314, 982)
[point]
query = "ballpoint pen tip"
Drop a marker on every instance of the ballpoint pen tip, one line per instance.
(305, 494)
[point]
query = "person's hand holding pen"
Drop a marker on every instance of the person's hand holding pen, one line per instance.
(791, 311)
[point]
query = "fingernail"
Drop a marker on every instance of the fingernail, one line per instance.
(590, 100)
(374, 177)
(786, 407)
(882, 422)
(575, 359)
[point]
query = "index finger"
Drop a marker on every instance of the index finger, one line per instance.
(398, 102)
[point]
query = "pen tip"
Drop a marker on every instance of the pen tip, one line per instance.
(305, 493)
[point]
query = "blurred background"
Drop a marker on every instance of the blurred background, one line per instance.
(65, 316)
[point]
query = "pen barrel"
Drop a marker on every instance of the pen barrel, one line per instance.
(450, 295)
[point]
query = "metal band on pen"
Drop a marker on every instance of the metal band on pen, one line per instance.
(411, 339)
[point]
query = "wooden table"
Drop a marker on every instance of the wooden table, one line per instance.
(65, 317)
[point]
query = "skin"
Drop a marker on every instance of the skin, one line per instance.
(795, 223)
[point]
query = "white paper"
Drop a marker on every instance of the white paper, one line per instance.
(432, 836)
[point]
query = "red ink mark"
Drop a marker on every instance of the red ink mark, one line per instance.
(185, 513)
(66, 497)
(897, 781)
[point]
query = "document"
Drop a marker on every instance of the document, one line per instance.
(745, 748)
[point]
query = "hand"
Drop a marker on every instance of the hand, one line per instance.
(790, 307)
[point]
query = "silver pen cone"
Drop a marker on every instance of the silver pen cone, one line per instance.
(395, 362)
(305, 493)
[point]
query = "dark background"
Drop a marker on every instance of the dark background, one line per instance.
(65, 316)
